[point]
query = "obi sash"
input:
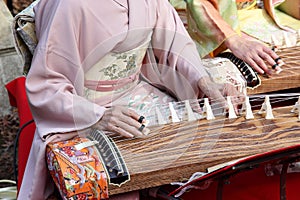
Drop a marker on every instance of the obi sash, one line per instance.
(115, 73)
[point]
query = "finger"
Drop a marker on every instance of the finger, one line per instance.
(258, 65)
(273, 60)
(235, 96)
(279, 61)
(144, 130)
(112, 117)
(131, 113)
(118, 130)
(211, 90)
(271, 53)
(135, 131)
(261, 59)
(141, 127)
(237, 102)
(141, 119)
(194, 103)
(253, 64)
(117, 126)
(130, 118)
(218, 100)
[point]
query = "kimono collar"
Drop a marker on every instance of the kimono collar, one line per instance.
(123, 3)
(138, 29)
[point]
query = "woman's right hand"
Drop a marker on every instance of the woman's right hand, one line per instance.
(217, 93)
(122, 121)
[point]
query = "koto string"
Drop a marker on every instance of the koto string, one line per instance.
(290, 56)
(217, 134)
(197, 148)
(197, 153)
(180, 129)
(198, 125)
(209, 133)
(258, 98)
(272, 101)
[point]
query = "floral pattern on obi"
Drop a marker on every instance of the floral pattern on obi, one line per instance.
(114, 67)
(114, 71)
(137, 94)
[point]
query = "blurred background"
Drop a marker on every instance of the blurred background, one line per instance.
(10, 67)
(15, 6)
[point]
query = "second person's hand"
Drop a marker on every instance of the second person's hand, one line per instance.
(256, 54)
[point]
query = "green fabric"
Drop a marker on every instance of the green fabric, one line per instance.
(204, 35)
(178, 4)
(228, 11)
(254, 22)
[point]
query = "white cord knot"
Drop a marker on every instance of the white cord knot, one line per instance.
(193, 177)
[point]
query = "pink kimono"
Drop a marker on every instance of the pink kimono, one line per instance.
(73, 37)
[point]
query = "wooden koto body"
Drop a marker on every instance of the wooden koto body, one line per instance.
(173, 152)
(288, 78)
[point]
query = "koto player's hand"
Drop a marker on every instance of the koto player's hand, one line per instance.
(122, 121)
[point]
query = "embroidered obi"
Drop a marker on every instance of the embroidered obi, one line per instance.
(115, 73)
(114, 80)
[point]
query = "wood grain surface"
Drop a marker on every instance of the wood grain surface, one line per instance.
(173, 152)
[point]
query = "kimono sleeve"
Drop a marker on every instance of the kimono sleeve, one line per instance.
(55, 81)
(176, 60)
(210, 22)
